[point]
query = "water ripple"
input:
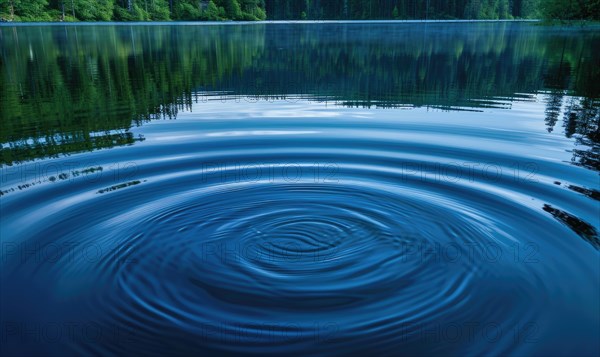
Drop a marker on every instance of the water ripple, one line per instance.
(325, 240)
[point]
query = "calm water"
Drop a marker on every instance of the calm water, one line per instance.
(415, 189)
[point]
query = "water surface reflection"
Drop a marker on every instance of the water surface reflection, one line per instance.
(318, 188)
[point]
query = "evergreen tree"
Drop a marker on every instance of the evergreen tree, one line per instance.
(157, 9)
(232, 9)
(592, 8)
(26, 10)
(559, 9)
(92, 10)
(211, 13)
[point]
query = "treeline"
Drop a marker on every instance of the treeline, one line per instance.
(433, 9)
(402, 9)
(252, 10)
(132, 10)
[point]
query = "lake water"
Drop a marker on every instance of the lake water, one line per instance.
(300, 188)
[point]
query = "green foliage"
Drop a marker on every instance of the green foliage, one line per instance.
(92, 10)
(186, 11)
(570, 9)
(252, 10)
(138, 14)
(593, 9)
(260, 14)
(158, 10)
(141, 10)
(122, 14)
(559, 9)
(232, 8)
(502, 9)
(25, 10)
(131, 10)
(212, 12)
(529, 9)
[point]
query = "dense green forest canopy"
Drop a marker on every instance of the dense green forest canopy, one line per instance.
(252, 10)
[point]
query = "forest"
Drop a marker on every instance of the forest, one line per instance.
(255, 10)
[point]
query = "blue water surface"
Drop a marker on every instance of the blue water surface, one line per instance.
(300, 188)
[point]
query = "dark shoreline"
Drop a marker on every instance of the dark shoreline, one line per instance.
(231, 22)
